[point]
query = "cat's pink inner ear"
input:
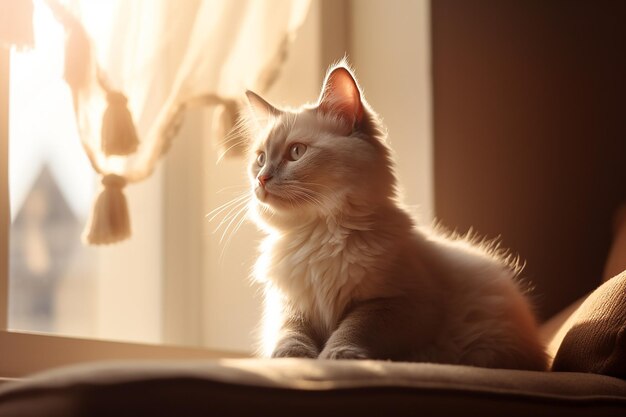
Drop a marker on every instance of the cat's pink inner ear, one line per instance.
(341, 96)
(262, 109)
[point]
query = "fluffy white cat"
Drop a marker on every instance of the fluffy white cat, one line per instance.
(348, 274)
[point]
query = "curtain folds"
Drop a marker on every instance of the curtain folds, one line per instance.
(134, 67)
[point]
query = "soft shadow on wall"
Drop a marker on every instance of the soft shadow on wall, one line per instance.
(529, 132)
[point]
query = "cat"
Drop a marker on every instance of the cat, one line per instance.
(347, 272)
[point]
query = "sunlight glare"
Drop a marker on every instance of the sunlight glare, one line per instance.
(42, 124)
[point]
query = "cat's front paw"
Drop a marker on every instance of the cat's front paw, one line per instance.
(344, 352)
(294, 350)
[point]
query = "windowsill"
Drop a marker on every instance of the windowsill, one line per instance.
(23, 354)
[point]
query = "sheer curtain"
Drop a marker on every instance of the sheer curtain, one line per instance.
(134, 67)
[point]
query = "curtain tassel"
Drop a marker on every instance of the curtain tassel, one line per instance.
(109, 222)
(119, 136)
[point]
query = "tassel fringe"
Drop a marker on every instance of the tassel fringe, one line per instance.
(119, 136)
(109, 222)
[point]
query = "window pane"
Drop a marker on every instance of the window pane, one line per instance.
(56, 284)
(47, 262)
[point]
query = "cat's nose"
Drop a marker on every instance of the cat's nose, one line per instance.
(263, 179)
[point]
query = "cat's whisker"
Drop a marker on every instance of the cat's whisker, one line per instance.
(242, 209)
(289, 194)
(293, 199)
(314, 184)
(316, 202)
(231, 201)
(238, 133)
(233, 187)
(312, 196)
(216, 211)
(309, 190)
(308, 198)
(224, 152)
(228, 217)
(234, 231)
(239, 224)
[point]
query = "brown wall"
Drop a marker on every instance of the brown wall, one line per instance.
(530, 131)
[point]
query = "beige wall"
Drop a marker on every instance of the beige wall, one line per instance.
(390, 45)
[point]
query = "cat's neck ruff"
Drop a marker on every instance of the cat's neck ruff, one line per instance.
(325, 263)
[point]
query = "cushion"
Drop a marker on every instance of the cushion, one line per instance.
(306, 387)
(554, 330)
(596, 341)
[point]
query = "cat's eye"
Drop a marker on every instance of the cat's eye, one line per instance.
(260, 159)
(296, 151)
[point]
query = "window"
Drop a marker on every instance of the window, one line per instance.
(173, 282)
(56, 284)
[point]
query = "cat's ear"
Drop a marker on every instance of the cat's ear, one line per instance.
(261, 109)
(341, 96)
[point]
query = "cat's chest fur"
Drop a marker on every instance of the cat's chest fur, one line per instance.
(321, 267)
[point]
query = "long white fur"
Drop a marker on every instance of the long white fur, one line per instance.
(350, 239)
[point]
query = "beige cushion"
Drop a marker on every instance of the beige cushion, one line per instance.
(554, 330)
(305, 387)
(596, 341)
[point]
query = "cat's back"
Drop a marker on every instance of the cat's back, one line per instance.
(489, 320)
